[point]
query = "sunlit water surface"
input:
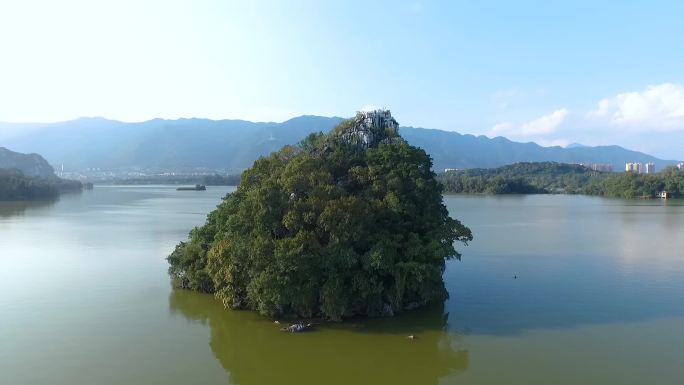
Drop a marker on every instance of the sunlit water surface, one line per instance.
(598, 299)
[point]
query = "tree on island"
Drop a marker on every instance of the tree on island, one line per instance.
(345, 224)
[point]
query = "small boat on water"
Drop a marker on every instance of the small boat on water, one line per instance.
(198, 187)
(297, 328)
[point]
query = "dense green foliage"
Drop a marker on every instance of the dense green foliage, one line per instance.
(631, 185)
(326, 228)
(15, 186)
(519, 178)
(27, 177)
(65, 185)
(548, 177)
(220, 180)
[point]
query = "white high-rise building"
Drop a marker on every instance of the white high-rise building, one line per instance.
(634, 167)
(649, 168)
(639, 168)
(680, 166)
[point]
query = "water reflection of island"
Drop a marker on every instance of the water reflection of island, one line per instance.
(254, 352)
(12, 208)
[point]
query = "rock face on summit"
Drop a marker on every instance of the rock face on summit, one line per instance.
(32, 165)
(370, 129)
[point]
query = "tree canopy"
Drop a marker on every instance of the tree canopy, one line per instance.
(519, 178)
(632, 185)
(345, 224)
(15, 186)
(551, 177)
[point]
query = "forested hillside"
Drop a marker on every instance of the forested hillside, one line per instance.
(550, 177)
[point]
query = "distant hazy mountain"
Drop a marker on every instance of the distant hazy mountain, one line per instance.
(234, 144)
(28, 164)
(453, 150)
(184, 143)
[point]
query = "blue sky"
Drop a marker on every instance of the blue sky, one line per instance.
(609, 72)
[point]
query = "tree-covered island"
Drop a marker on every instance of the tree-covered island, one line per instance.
(15, 186)
(345, 224)
(29, 177)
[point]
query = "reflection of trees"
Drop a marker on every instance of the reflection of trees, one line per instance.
(254, 352)
(9, 209)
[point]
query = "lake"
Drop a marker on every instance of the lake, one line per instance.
(598, 299)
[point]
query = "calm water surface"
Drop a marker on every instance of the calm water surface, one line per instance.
(599, 299)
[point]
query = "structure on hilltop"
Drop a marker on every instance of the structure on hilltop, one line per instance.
(371, 128)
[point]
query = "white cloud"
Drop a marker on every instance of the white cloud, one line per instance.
(544, 125)
(502, 127)
(650, 120)
(533, 130)
(554, 142)
(658, 107)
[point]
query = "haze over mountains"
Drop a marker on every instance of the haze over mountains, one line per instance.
(233, 145)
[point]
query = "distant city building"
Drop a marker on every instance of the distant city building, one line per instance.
(649, 168)
(680, 166)
(633, 167)
(450, 169)
(639, 168)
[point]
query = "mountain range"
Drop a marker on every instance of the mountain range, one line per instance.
(233, 145)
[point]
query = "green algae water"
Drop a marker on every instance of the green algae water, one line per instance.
(553, 290)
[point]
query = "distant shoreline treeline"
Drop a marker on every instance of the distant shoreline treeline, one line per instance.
(15, 186)
(518, 178)
(207, 180)
(551, 177)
